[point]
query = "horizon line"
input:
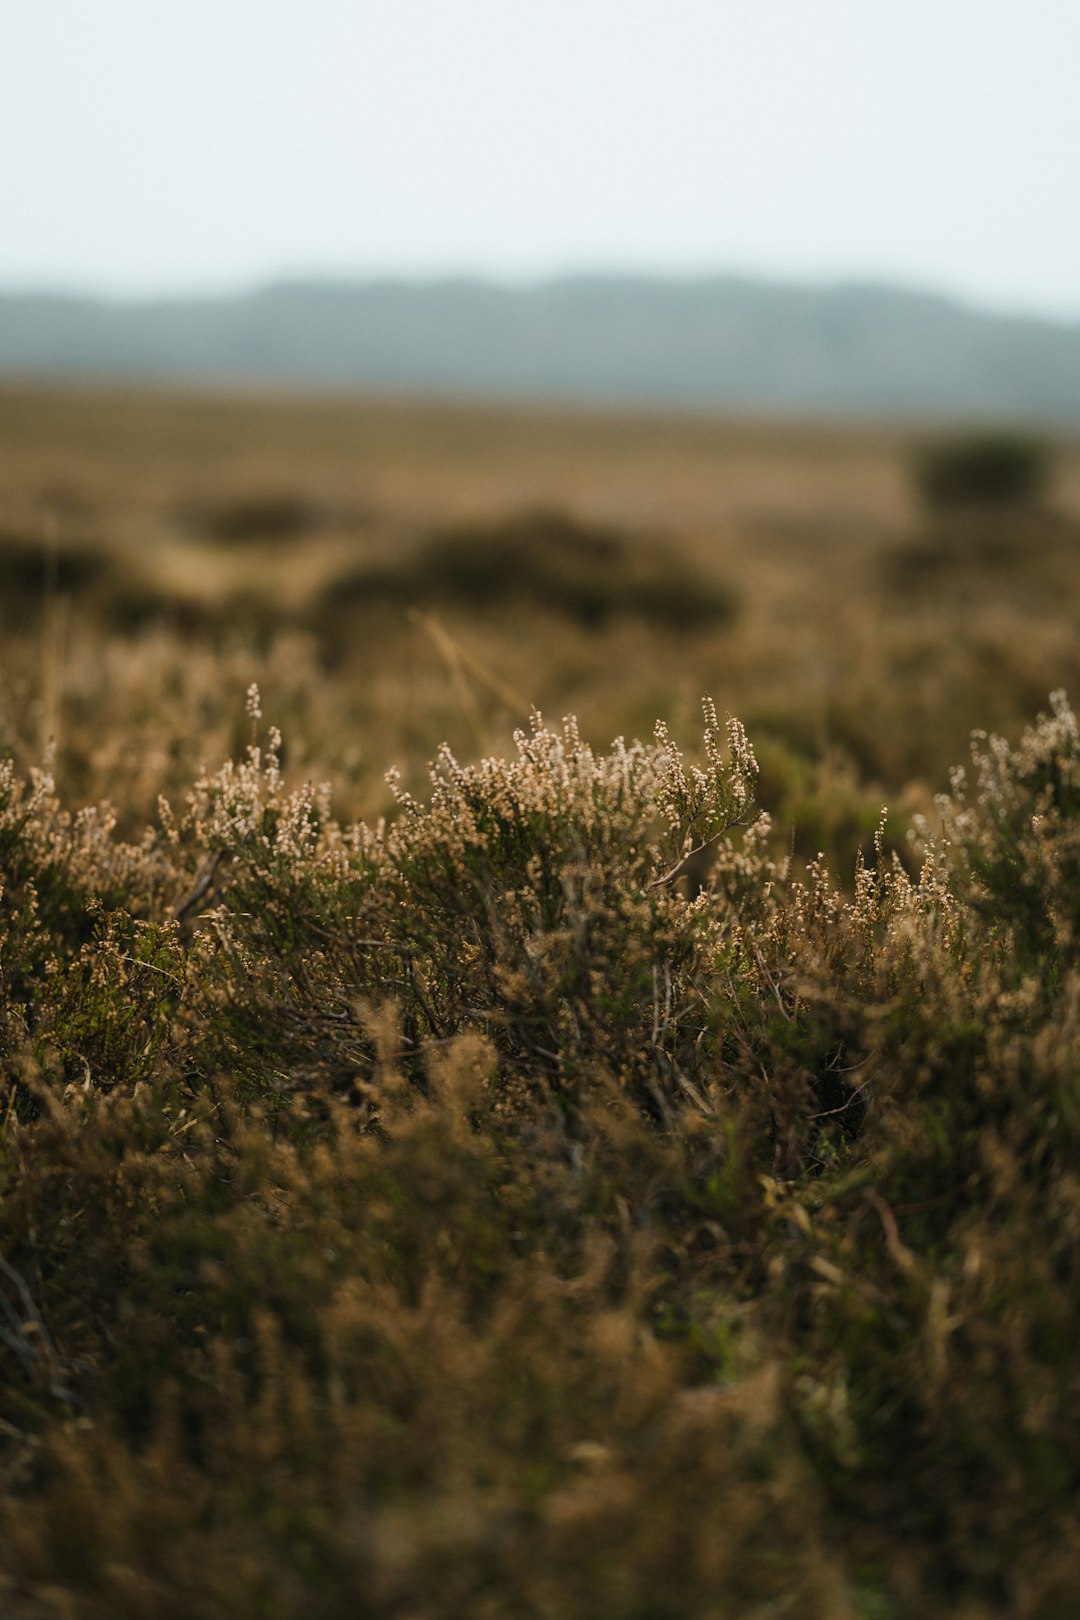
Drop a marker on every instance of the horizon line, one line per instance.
(239, 290)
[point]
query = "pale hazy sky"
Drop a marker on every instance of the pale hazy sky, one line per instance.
(173, 145)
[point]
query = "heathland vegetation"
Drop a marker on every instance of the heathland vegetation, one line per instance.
(571, 1177)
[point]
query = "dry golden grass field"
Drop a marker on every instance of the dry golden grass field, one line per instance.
(787, 570)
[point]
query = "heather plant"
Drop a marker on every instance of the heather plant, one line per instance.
(1019, 839)
(429, 1212)
(534, 901)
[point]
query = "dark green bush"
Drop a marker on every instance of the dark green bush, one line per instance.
(587, 574)
(995, 470)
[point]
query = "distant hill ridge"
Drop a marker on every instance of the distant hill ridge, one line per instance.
(724, 342)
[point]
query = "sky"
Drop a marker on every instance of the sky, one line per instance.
(152, 147)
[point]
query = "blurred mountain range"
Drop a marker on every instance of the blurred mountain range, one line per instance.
(724, 342)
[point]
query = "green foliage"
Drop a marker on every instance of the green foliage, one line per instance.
(989, 469)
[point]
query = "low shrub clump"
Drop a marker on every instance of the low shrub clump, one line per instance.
(544, 1201)
(987, 469)
(33, 571)
(261, 515)
(549, 560)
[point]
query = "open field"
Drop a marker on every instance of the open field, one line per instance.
(566, 1197)
(223, 540)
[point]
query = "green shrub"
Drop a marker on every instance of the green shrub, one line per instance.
(586, 574)
(993, 470)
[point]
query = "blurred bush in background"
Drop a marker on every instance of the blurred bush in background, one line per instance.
(986, 469)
